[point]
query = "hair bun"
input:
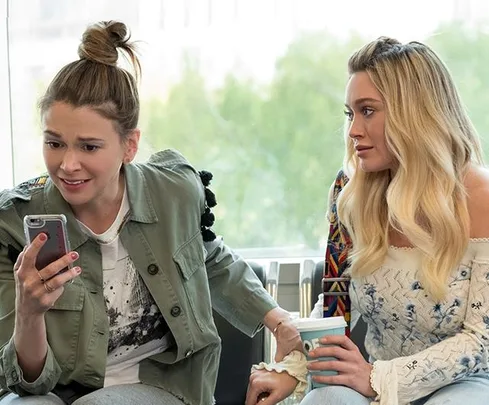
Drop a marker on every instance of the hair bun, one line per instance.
(388, 41)
(101, 40)
(387, 44)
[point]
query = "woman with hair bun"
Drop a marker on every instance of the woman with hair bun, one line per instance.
(131, 321)
(410, 208)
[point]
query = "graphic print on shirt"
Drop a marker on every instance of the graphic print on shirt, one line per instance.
(134, 318)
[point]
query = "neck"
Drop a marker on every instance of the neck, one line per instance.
(100, 214)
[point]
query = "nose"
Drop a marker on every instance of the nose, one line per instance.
(70, 162)
(356, 129)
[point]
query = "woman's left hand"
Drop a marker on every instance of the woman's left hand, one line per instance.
(353, 370)
(288, 339)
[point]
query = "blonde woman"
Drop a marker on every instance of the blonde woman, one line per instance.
(415, 207)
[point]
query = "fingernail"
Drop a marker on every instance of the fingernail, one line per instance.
(74, 255)
(43, 237)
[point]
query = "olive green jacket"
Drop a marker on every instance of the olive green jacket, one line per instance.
(185, 276)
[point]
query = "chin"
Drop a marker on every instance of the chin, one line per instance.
(74, 201)
(370, 167)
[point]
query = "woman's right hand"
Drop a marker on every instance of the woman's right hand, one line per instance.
(37, 291)
(269, 387)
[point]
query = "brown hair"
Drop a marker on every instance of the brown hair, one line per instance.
(96, 81)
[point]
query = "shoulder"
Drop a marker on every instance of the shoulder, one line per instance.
(337, 185)
(171, 166)
(25, 198)
(23, 193)
(340, 180)
(477, 185)
(169, 172)
(169, 159)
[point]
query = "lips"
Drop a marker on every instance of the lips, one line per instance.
(73, 182)
(359, 148)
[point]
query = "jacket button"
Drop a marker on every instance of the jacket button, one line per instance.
(175, 311)
(153, 269)
(188, 353)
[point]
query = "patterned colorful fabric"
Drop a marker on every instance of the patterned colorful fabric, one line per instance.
(34, 184)
(335, 280)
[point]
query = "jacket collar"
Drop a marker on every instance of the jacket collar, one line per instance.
(142, 209)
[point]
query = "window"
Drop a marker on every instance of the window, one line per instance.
(6, 178)
(251, 90)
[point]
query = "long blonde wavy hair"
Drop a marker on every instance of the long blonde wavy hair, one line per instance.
(433, 143)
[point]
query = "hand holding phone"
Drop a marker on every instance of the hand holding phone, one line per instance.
(41, 270)
(57, 244)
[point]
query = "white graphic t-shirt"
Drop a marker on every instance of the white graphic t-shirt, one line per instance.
(137, 329)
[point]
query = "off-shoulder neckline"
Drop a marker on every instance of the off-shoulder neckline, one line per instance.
(408, 248)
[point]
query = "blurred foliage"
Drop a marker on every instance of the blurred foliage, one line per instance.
(465, 51)
(274, 149)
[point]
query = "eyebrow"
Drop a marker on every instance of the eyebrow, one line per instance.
(83, 139)
(364, 100)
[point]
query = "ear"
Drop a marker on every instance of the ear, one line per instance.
(131, 145)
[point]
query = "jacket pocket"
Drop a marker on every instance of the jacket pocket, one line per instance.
(189, 259)
(72, 298)
(63, 324)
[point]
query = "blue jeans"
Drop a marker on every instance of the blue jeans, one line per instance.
(117, 394)
(472, 390)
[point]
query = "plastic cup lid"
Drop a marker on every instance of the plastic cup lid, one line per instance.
(310, 324)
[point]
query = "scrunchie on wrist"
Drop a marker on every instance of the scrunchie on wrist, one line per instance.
(294, 364)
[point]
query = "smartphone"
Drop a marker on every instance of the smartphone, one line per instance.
(57, 245)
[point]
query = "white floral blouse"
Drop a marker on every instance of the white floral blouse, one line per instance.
(418, 345)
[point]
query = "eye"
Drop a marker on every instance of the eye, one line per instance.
(91, 148)
(348, 115)
(52, 144)
(367, 111)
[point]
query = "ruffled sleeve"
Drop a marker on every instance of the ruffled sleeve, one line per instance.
(294, 364)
